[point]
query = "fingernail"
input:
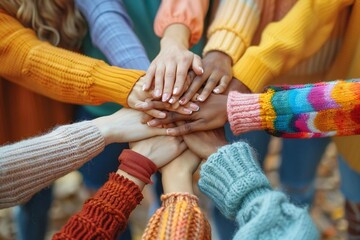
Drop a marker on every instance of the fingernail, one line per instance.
(162, 115)
(170, 131)
(202, 70)
(188, 111)
(144, 87)
(165, 97)
(157, 93)
(182, 101)
(201, 98)
(172, 100)
(216, 90)
(151, 123)
(194, 107)
(176, 90)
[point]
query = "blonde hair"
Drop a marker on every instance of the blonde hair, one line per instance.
(55, 21)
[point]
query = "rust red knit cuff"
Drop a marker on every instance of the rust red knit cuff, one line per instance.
(137, 165)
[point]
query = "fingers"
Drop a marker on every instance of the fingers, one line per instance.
(156, 113)
(159, 80)
(171, 117)
(149, 76)
(197, 65)
(181, 75)
(209, 87)
(224, 83)
(169, 81)
(194, 87)
(184, 129)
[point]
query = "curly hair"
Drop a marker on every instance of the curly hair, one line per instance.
(55, 21)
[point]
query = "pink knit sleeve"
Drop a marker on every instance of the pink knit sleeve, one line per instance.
(188, 12)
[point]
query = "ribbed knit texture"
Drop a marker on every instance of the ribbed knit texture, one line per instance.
(178, 218)
(309, 26)
(30, 165)
(106, 214)
(59, 74)
(111, 32)
(234, 26)
(137, 165)
(234, 181)
(187, 12)
(299, 111)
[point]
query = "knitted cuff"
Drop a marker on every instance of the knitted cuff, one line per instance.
(178, 218)
(244, 112)
(137, 165)
(106, 214)
(230, 176)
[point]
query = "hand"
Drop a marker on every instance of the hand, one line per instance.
(172, 64)
(160, 150)
(205, 143)
(177, 175)
(217, 75)
(237, 85)
(212, 115)
(125, 126)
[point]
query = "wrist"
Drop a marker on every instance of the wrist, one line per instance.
(220, 56)
(177, 34)
(135, 180)
(173, 183)
(104, 126)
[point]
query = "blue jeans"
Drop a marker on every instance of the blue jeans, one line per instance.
(300, 158)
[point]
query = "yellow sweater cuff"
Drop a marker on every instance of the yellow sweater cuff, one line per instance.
(113, 84)
(227, 42)
(253, 73)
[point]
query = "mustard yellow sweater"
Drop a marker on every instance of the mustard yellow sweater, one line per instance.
(57, 73)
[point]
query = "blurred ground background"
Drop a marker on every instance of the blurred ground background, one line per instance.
(327, 211)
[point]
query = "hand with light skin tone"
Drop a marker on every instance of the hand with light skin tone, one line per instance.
(125, 126)
(177, 175)
(142, 101)
(169, 69)
(217, 76)
(212, 115)
(154, 148)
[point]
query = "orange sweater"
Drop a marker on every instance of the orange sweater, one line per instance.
(57, 73)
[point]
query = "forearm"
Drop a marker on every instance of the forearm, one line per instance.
(233, 28)
(285, 43)
(189, 13)
(106, 214)
(299, 111)
(30, 165)
(111, 32)
(57, 73)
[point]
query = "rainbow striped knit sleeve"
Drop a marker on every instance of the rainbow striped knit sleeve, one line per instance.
(299, 111)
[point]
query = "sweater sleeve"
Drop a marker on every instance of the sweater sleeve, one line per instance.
(30, 165)
(57, 73)
(179, 217)
(299, 111)
(234, 26)
(111, 32)
(106, 214)
(285, 43)
(234, 181)
(188, 12)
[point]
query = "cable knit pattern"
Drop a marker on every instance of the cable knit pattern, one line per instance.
(30, 165)
(57, 73)
(299, 111)
(234, 181)
(188, 12)
(178, 218)
(106, 214)
(111, 32)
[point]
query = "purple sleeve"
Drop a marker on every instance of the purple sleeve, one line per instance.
(111, 32)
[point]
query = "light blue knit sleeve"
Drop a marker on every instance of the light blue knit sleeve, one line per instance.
(235, 182)
(111, 32)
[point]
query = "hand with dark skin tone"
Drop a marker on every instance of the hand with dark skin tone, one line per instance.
(212, 115)
(216, 77)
